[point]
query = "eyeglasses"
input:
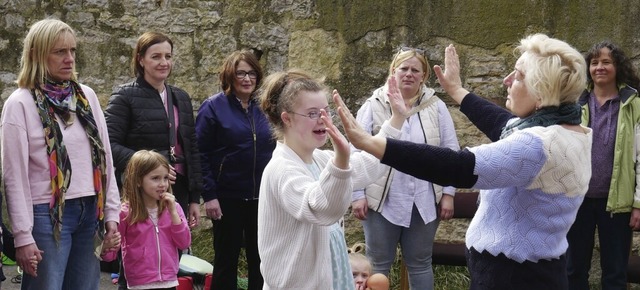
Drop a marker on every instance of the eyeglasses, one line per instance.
(242, 74)
(315, 115)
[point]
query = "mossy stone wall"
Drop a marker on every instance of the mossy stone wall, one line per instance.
(349, 43)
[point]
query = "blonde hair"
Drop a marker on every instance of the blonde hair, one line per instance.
(554, 72)
(403, 55)
(279, 92)
(140, 164)
(40, 39)
(359, 258)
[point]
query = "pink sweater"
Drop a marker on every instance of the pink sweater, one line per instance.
(26, 168)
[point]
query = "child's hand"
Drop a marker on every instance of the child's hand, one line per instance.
(170, 200)
(111, 242)
(340, 144)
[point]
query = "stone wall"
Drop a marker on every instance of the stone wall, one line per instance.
(350, 43)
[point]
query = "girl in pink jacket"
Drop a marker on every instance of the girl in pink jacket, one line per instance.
(153, 228)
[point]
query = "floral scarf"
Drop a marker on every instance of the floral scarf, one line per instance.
(547, 116)
(63, 99)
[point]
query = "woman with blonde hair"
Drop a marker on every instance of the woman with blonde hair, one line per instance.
(306, 190)
(399, 208)
(533, 177)
(61, 192)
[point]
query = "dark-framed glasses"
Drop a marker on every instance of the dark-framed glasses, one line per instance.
(240, 74)
(315, 115)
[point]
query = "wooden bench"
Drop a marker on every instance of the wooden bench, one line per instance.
(465, 205)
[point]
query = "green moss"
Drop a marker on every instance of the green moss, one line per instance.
(116, 8)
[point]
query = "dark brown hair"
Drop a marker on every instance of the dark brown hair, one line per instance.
(145, 41)
(228, 69)
(625, 73)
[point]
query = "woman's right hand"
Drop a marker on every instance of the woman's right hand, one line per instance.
(398, 106)
(28, 257)
(449, 79)
(213, 209)
(360, 208)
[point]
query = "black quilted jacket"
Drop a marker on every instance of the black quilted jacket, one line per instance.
(137, 120)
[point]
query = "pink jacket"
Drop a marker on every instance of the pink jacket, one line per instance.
(150, 253)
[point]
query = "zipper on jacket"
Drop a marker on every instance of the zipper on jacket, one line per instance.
(158, 249)
(255, 153)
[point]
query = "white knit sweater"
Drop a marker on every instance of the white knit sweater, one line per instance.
(295, 213)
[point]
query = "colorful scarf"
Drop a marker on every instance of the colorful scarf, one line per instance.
(547, 116)
(63, 99)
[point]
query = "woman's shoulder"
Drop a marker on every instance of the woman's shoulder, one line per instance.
(216, 97)
(133, 88)
(178, 92)
(18, 96)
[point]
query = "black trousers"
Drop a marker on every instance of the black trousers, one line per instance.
(238, 227)
(501, 273)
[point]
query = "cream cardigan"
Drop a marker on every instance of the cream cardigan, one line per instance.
(295, 213)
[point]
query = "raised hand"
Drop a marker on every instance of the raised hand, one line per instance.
(449, 79)
(357, 136)
(340, 143)
(398, 106)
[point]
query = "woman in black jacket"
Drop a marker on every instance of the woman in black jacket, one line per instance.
(138, 118)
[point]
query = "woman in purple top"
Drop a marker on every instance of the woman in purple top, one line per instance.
(611, 108)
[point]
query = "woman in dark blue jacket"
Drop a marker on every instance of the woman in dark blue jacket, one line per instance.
(235, 144)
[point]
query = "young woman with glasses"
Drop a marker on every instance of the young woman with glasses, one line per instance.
(235, 145)
(305, 191)
(399, 208)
